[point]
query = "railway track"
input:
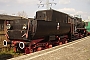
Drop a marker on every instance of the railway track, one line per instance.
(58, 52)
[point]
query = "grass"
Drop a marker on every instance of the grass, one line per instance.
(88, 59)
(8, 54)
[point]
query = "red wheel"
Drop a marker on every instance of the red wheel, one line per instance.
(46, 46)
(50, 46)
(39, 49)
(31, 50)
(60, 43)
(27, 50)
(66, 41)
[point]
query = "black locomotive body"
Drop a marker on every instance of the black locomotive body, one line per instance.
(33, 32)
(47, 28)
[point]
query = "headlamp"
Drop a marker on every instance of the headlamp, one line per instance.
(24, 26)
(8, 26)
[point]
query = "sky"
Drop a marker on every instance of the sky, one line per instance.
(71, 7)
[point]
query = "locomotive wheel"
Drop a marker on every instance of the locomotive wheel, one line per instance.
(50, 46)
(27, 50)
(60, 43)
(66, 41)
(46, 46)
(39, 48)
(31, 50)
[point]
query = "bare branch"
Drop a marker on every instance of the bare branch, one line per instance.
(22, 14)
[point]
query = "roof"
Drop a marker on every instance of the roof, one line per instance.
(8, 17)
(52, 10)
(81, 28)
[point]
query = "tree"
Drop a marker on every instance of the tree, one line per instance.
(22, 14)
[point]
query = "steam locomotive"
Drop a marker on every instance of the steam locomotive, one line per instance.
(49, 28)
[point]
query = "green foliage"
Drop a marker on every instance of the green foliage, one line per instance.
(9, 54)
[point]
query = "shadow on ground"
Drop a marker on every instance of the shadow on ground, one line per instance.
(5, 56)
